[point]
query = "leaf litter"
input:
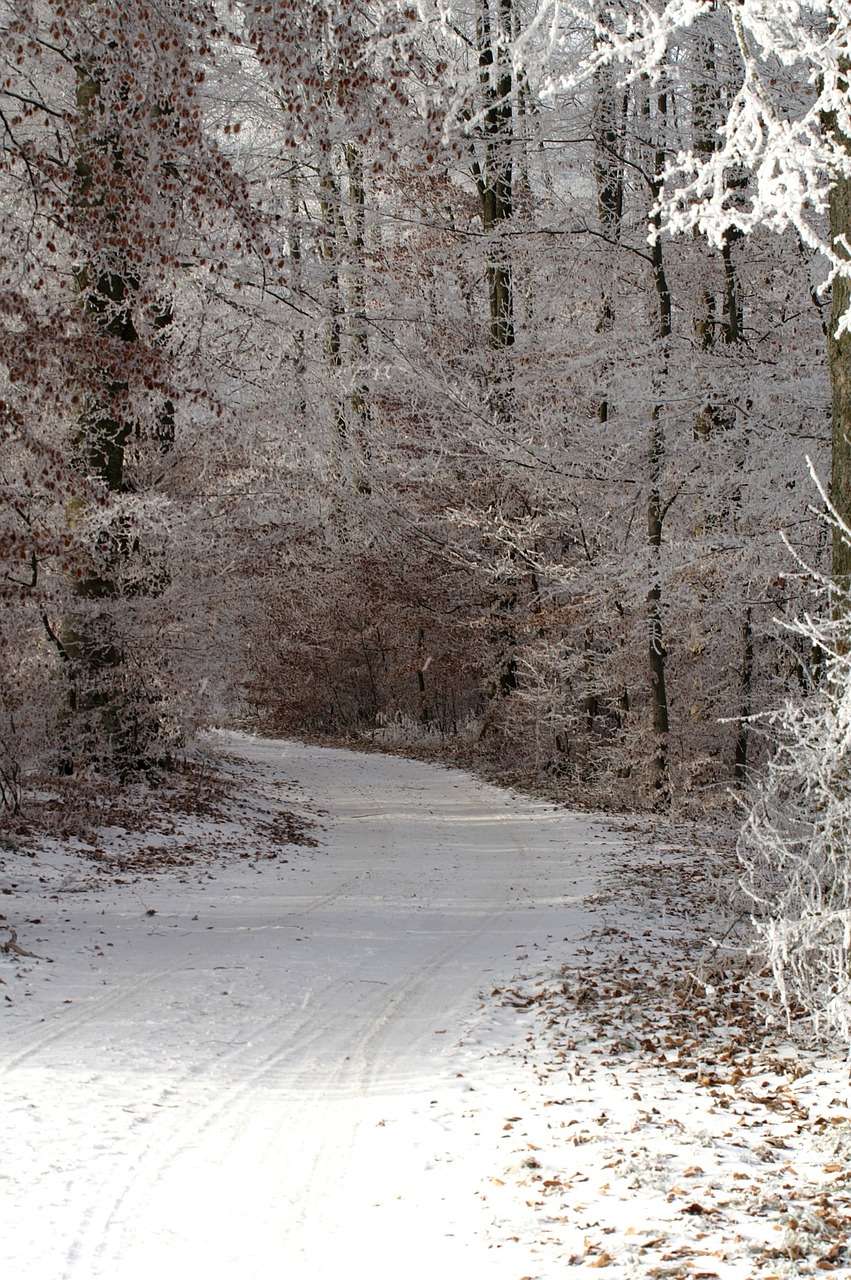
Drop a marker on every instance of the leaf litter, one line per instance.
(686, 1127)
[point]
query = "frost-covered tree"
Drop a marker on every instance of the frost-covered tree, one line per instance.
(781, 162)
(114, 193)
(793, 848)
(349, 377)
(647, 386)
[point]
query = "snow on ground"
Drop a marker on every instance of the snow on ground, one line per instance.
(465, 1034)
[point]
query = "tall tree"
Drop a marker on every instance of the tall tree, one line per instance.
(494, 175)
(794, 143)
(124, 179)
(837, 128)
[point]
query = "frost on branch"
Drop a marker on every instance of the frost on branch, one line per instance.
(791, 143)
(794, 846)
(782, 122)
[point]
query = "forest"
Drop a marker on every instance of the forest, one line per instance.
(469, 380)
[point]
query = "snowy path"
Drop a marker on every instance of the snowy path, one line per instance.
(282, 1070)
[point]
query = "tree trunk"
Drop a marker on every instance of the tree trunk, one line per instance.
(610, 108)
(494, 175)
(740, 765)
(359, 342)
(111, 722)
(722, 323)
(494, 180)
(299, 356)
(658, 654)
(610, 111)
(329, 208)
(839, 358)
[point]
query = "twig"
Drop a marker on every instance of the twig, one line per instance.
(11, 946)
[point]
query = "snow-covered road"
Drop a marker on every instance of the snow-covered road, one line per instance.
(266, 1069)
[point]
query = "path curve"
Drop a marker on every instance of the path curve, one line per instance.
(291, 1084)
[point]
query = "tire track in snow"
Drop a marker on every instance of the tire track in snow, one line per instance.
(351, 1073)
(150, 1162)
(391, 898)
(355, 1063)
(69, 1021)
(155, 1155)
(153, 1161)
(81, 1254)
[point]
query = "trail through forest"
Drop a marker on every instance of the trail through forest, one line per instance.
(454, 1036)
